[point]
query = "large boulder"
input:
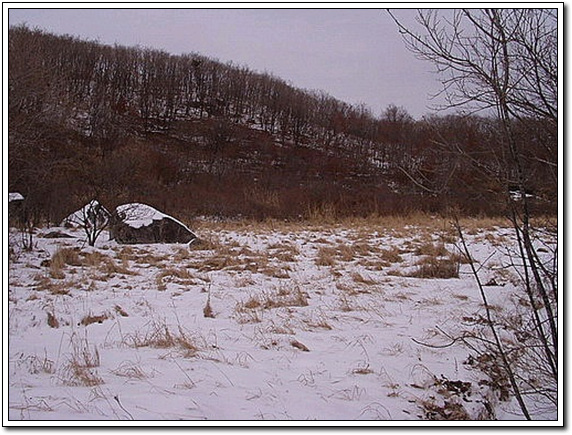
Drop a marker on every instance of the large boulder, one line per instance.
(139, 223)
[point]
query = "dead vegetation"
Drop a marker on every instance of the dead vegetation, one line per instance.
(81, 367)
(160, 336)
(285, 296)
(69, 259)
(90, 318)
(174, 275)
(436, 267)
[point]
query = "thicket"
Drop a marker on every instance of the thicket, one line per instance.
(193, 136)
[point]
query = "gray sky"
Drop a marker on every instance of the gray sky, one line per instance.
(355, 55)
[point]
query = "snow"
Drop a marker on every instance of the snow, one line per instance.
(142, 215)
(153, 355)
(15, 196)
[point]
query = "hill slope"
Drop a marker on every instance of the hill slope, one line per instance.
(191, 135)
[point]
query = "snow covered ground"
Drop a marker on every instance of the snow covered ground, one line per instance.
(251, 324)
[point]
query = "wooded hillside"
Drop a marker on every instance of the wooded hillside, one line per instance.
(194, 136)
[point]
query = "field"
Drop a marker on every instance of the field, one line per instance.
(277, 321)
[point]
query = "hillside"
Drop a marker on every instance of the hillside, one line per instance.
(194, 136)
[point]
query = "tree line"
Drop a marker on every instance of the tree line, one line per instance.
(90, 119)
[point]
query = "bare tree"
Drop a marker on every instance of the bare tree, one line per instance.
(505, 62)
(93, 218)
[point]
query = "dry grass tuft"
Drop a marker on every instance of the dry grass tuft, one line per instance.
(357, 277)
(53, 321)
(285, 296)
(61, 258)
(449, 411)
(439, 268)
(207, 310)
(80, 368)
(89, 319)
(178, 276)
(326, 256)
(44, 283)
(209, 243)
(432, 249)
(159, 336)
(106, 265)
(129, 370)
(362, 371)
(391, 255)
(283, 252)
(120, 311)
(299, 345)
(96, 260)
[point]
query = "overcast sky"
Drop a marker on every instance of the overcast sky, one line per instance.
(355, 55)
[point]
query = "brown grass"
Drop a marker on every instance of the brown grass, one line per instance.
(89, 319)
(160, 336)
(391, 255)
(448, 411)
(285, 296)
(178, 276)
(45, 283)
(130, 371)
(326, 256)
(61, 258)
(80, 369)
(102, 263)
(207, 310)
(283, 252)
(232, 257)
(299, 345)
(325, 218)
(439, 268)
(431, 249)
(120, 311)
(357, 277)
(53, 321)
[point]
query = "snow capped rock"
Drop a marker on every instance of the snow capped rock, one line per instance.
(141, 223)
(138, 215)
(15, 196)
